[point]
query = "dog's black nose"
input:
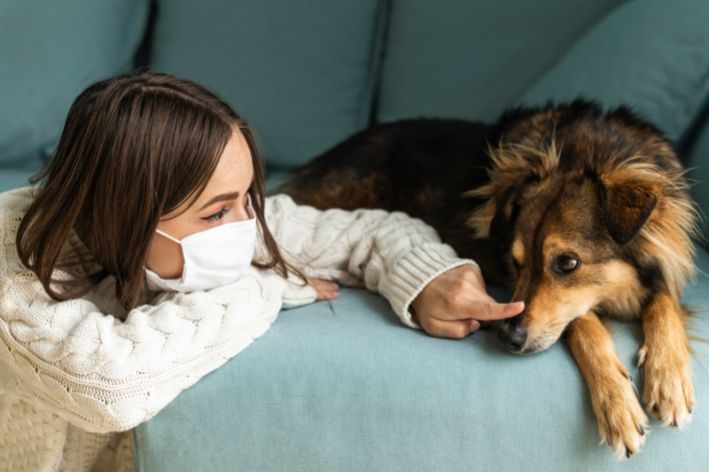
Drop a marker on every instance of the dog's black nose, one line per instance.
(513, 333)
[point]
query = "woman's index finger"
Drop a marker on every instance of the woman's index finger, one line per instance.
(495, 311)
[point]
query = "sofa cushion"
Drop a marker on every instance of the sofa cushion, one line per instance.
(300, 72)
(346, 386)
(472, 59)
(698, 163)
(50, 52)
(12, 176)
(652, 55)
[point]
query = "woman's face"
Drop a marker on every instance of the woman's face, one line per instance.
(222, 201)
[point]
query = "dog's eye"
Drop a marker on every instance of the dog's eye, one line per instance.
(516, 264)
(565, 264)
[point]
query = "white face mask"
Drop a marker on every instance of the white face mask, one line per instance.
(213, 257)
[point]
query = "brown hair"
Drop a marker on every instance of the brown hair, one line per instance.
(134, 147)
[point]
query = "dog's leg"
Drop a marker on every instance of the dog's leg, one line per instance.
(622, 422)
(664, 356)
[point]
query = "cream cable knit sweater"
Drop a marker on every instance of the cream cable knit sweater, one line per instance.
(74, 380)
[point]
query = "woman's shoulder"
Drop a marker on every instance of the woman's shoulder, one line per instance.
(13, 205)
(277, 203)
(282, 209)
(17, 200)
(284, 202)
(277, 198)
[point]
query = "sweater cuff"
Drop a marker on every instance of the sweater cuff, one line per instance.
(413, 272)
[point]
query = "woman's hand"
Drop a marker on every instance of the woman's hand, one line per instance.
(456, 303)
(327, 290)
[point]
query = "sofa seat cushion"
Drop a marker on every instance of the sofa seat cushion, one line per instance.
(345, 386)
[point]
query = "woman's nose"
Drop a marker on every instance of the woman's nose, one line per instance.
(245, 211)
(242, 214)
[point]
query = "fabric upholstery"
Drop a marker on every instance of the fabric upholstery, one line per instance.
(49, 52)
(300, 72)
(698, 164)
(14, 176)
(344, 386)
(652, 55)
(471, 60)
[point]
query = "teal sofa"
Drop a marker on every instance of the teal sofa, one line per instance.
(344, 386)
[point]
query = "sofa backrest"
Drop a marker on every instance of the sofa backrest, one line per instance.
(301, 72)
(697, 161)
(309, 74)
(49, 52)
(473, 59)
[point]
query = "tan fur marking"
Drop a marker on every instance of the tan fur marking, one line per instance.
(622, 424)
(480, 219)
(518, 251)
(618, 293)
(552, 309)
(664, 356)
(623, 293)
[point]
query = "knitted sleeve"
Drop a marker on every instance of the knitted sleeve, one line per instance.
(104, 375)
(77, 360)
(387, 252)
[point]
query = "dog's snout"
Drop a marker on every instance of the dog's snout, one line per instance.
(513, 333)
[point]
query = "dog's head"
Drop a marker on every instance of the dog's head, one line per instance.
(591, 212)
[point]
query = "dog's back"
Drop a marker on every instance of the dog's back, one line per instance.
(418, 166)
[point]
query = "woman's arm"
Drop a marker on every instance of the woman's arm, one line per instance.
(390, 253)
(103, 375)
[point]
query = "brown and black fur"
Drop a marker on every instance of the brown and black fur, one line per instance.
(585, 213)
(421, 167)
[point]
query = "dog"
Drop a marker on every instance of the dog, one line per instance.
(585, 213)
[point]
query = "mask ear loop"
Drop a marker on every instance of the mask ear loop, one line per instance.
(168, 236)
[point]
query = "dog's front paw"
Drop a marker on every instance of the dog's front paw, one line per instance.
(668, 391)
(622, 423)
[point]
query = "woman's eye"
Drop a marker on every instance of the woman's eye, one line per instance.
(217, 216)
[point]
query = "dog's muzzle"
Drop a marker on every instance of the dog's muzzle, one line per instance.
(513, 333)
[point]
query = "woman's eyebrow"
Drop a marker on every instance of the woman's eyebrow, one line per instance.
(219, 198)
(226, 196)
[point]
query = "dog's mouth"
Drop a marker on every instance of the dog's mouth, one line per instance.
(526, 349)
(532, 348)
(526, 346)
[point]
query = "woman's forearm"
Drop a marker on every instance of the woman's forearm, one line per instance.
(390, 253)
(104, 375)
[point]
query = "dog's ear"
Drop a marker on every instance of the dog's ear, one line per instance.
(626, 205)
(501, 224)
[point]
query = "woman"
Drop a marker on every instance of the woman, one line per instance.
(148, 256)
